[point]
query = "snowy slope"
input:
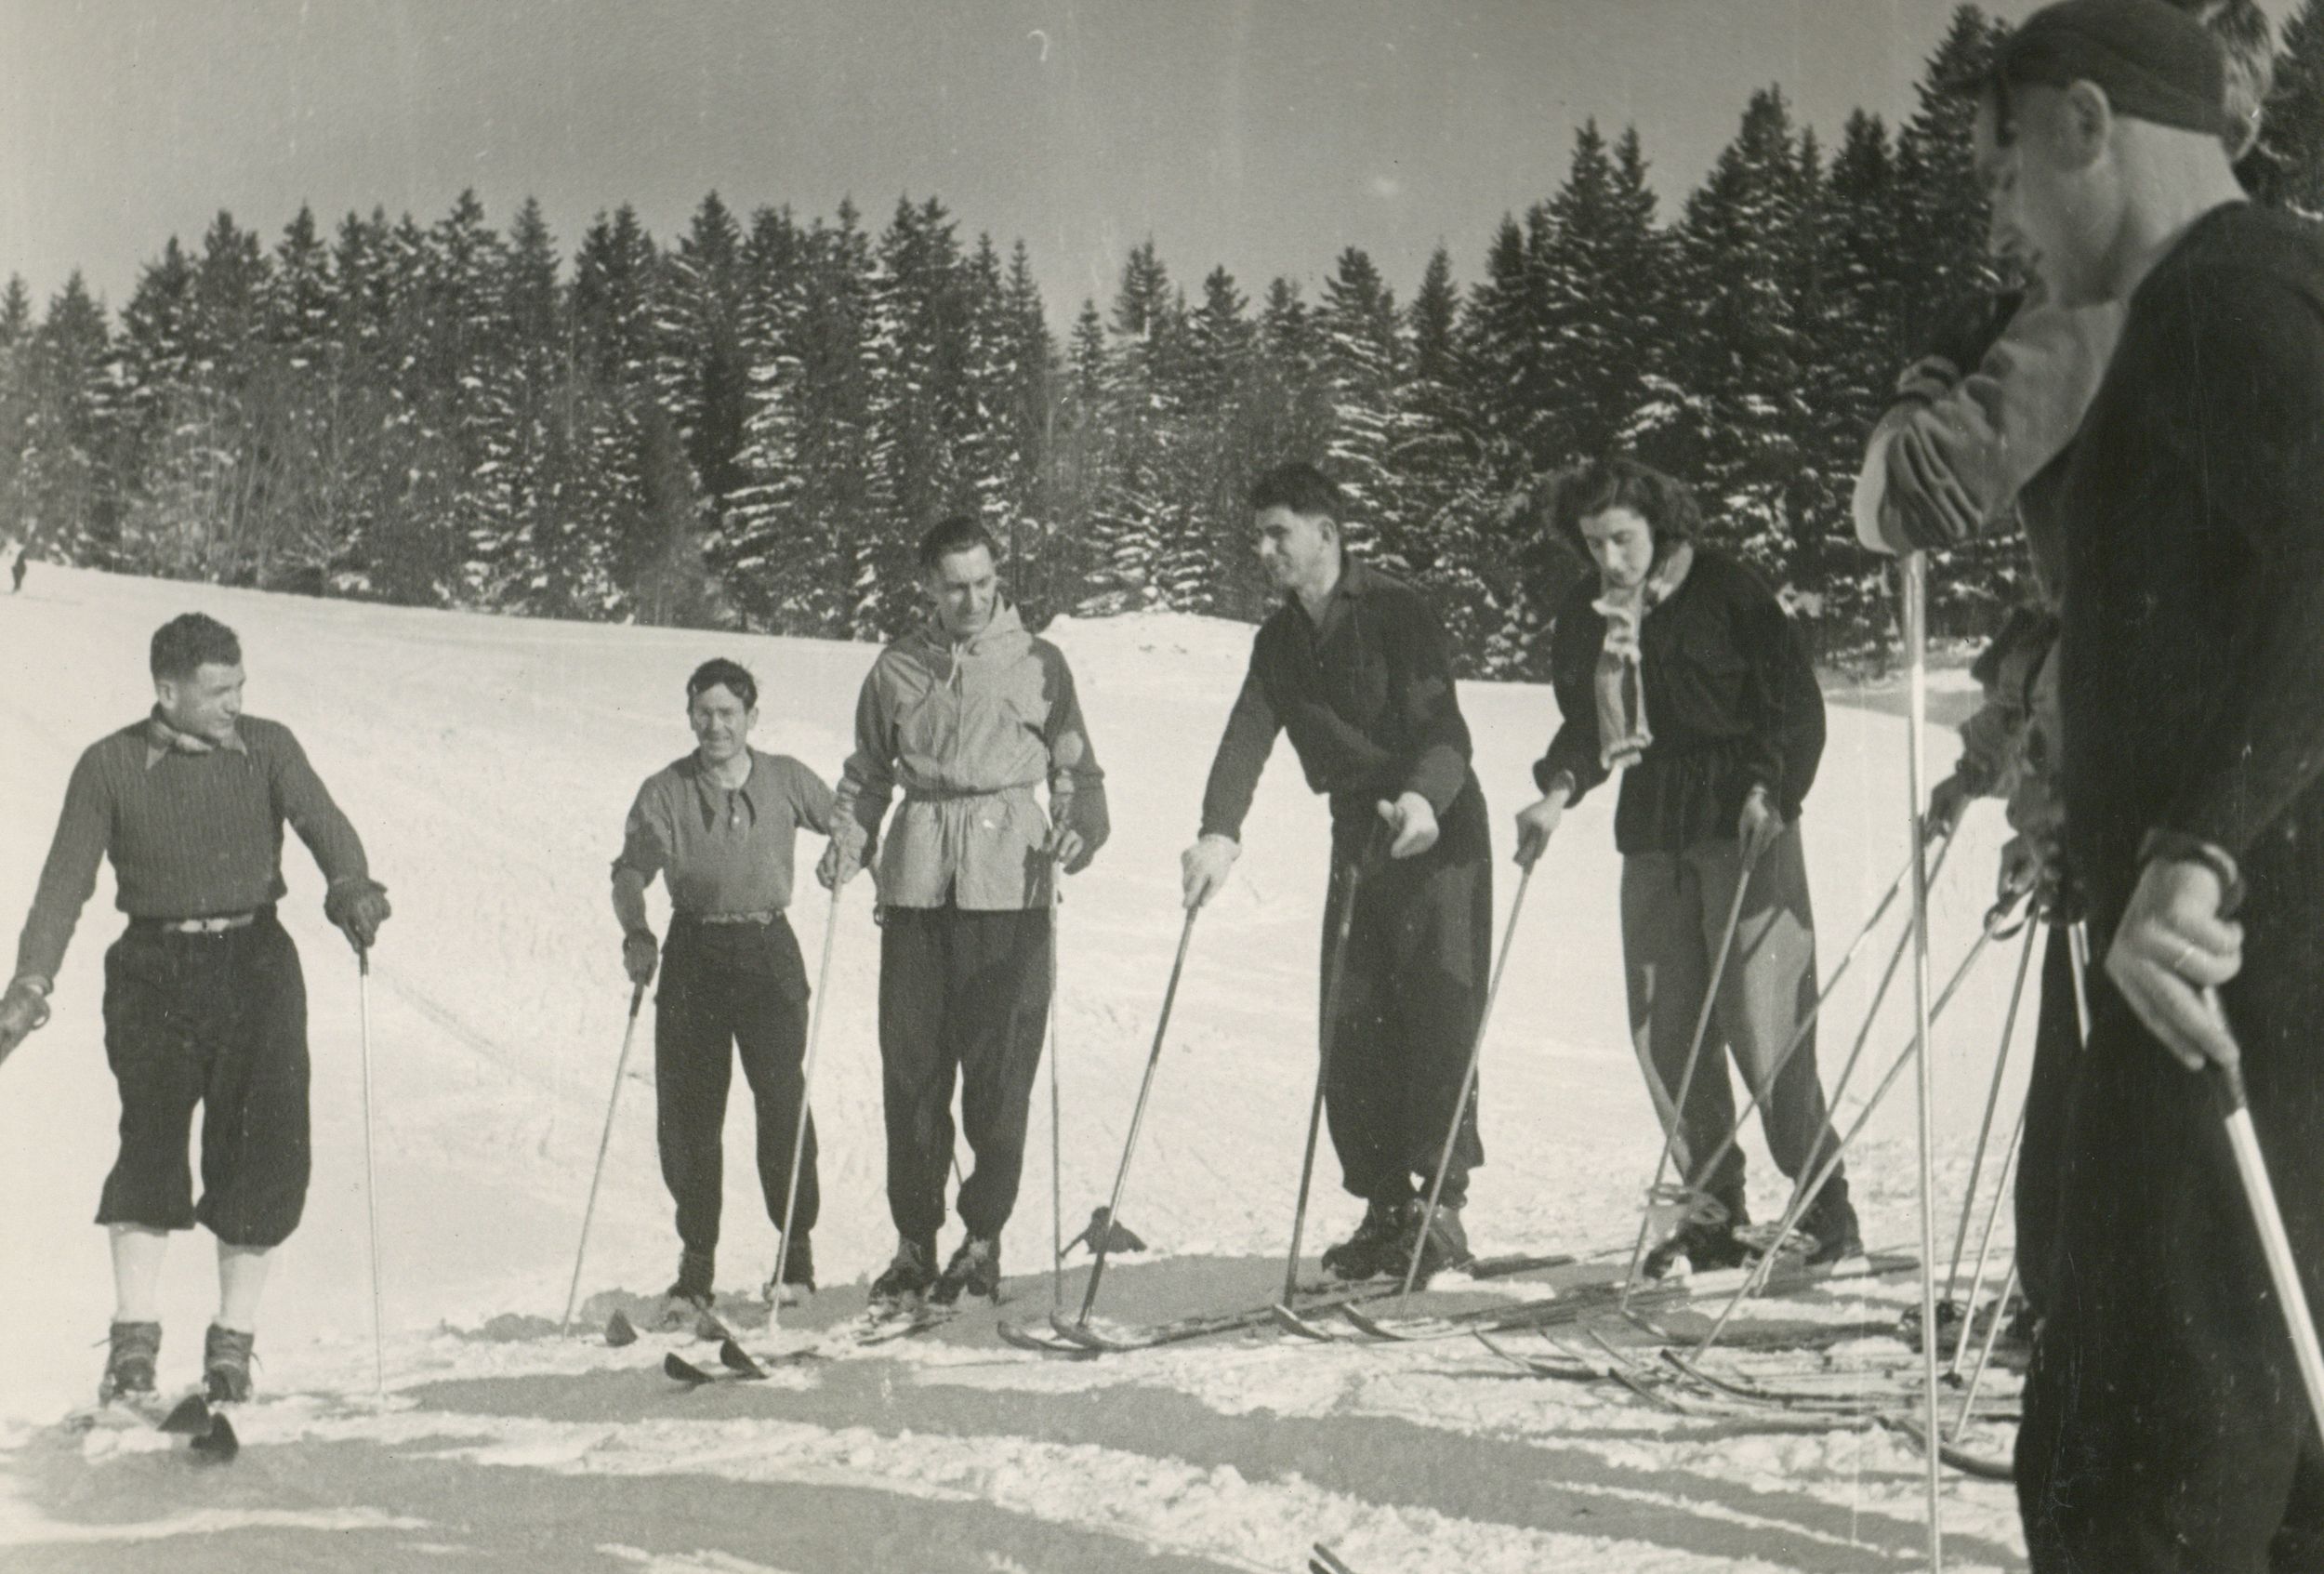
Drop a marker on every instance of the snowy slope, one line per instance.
(488, 763)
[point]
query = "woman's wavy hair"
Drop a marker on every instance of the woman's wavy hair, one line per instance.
(1665, 503)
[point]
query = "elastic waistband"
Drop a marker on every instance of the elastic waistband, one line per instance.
(764, 916)
(216, 923)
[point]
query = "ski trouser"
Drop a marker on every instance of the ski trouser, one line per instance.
(729, 988)
(2057, 1047)
(961, 993)
(2165, 1424)
(217, 1019)
(1674, 914)
(1419, 951)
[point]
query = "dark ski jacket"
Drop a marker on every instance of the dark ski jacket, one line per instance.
(1368, 698)
(2191, 649)
(1731, 699)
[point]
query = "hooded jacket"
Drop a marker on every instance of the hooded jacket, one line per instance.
(968, 731)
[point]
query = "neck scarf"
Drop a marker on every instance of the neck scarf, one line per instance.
(1623, 735)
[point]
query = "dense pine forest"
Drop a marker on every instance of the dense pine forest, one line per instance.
(750, 425)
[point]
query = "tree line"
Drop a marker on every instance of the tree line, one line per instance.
(750, 426)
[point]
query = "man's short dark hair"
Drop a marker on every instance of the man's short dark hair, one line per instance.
(1301, 488)
(193, 640)
(956, 533)
(1591, 488)
(720, 673)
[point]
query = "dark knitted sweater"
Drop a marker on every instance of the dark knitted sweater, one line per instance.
(191, 834)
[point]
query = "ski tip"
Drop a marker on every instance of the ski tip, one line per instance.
(219, 1445)
(620, 1331)
(189, 1417)
(737, 1359)
(1024, 1338)
(1321, 1559)
(1292, 1323)
(678, 1368)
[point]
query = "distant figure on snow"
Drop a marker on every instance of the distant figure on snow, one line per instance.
(205, 1002)
(967, 715)
(719, 827)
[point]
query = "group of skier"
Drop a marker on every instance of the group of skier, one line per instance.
(961, 726)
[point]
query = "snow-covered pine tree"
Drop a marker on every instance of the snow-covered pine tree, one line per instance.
(15, 340)
(702, 372)
(1138, 510)
(1448, 548)
(1856, 336)
(1021, 398)
(1206, 565)
(67, 388)
(1742, 352)
(1363, 364)
(1075, 464)
(474, 399)
(920, 353)
(804, 533)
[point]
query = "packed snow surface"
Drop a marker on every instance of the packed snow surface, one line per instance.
(488, 763)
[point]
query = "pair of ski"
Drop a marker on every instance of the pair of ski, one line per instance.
(1725, 1392)
(1079, 1341)
(738, 1364)
(205, 1431)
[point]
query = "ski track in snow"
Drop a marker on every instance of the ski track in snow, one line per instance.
(488, 763)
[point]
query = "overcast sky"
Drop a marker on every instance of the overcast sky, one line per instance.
(1262, 134)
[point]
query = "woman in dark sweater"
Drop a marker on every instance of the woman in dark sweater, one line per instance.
(1674, 664)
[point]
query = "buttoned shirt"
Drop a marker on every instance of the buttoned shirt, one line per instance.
(724, 850)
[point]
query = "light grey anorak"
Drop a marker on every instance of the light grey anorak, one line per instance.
(968, 731)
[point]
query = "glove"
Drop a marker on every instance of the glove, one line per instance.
(1203, 867)
(843, 860)
(359, 907)
(1948, 801)
(1758, 827)
(1538, 823)
(24, 1007)
(1415, 824)
(1068, 848)
(640, 956)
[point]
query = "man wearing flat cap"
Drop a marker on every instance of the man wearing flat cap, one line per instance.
(2165, 1423)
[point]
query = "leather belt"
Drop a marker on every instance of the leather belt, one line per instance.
(766, 916)
(220, 924)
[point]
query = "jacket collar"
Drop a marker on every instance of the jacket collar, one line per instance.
(1001, 635)
(1356, 579)
(161, 738)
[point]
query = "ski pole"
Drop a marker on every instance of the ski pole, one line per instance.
(2259, 1192)
(805, 1123)
(1709, 1166)
(370, 1179)
(1468, 1081)
(1104, 1238)
(1332, 994)
(1056, 1117)
(1916, 631)
(1985, 1353)
(1676, 1133)
(573, 1292)
(1985, 1127)
(1984, 1245)
(1805, 1195)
